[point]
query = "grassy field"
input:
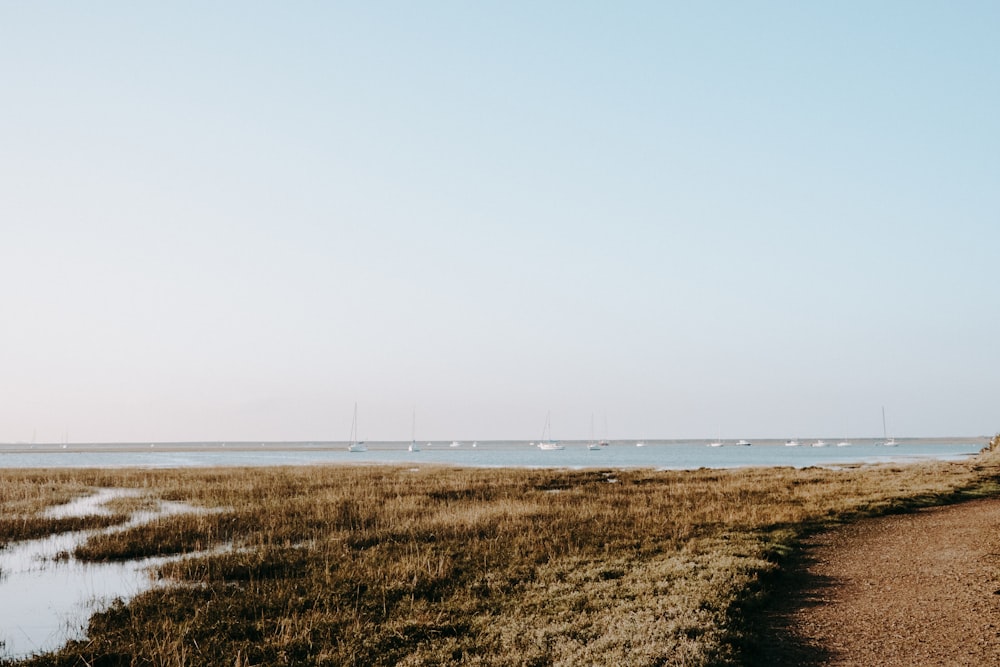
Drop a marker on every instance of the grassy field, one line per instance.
(398, 566)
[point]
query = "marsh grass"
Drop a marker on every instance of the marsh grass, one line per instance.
(386, 566)
(24, 498)
(33, 527)
(33, 492)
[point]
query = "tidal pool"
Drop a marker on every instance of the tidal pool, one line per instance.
(48, 595)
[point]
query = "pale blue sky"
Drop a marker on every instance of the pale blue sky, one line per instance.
(233, 220)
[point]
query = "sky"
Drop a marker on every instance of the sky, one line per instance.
(237, 220)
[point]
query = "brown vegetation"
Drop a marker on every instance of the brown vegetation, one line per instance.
(386, 566)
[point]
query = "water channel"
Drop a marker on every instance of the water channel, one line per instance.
(48, 595)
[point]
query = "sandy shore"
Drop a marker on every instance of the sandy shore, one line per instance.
(912, 589)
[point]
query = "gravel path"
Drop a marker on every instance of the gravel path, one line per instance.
(910, 589)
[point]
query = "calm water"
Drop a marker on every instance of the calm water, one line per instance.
(48, 595)
(659, 454)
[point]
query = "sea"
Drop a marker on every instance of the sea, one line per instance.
(655, 454)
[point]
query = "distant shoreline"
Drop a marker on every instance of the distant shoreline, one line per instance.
(333, 445)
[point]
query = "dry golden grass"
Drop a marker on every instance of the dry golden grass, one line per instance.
(386, 566)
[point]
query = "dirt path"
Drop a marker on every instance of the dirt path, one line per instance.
(911, 589)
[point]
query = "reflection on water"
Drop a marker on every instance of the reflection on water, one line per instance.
(48, 595)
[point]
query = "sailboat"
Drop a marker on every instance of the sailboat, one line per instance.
(889, 442)
(604, 442)
(845, 442)
(593, 445)
(414, 447)
(354, 445)
(547, 443)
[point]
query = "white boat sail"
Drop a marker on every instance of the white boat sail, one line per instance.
(354, 445)
(845, 441)
(547, 443)
(414, 445)
(888, 442)
(605, 442)
(593, 445)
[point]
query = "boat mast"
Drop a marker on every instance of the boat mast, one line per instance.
(354, 425)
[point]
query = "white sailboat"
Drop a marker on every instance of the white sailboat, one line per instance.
(354, 445)
(845, 442)
(547, 443)
(889, 442)
(414, 447)
(605, 442)
(593, 445)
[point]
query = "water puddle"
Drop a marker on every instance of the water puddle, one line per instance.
(48, 597)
